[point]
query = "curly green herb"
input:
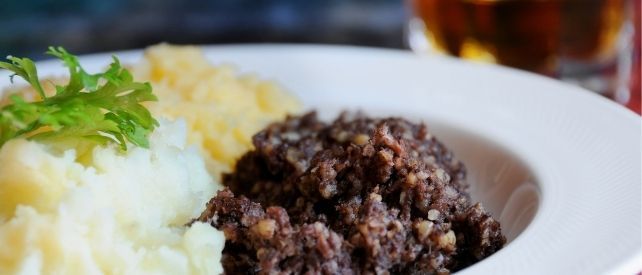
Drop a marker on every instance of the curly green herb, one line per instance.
(104, 107)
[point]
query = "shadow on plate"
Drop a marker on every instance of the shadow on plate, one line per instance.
(499, 179)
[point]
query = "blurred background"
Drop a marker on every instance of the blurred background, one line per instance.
(86, 26)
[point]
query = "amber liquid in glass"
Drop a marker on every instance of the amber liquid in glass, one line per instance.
(534, 35)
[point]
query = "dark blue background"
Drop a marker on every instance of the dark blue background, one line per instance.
(29, 26)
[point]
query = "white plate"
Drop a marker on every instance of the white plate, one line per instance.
(559, 166)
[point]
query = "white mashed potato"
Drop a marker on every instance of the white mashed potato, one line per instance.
(102, 211)
(112, 213)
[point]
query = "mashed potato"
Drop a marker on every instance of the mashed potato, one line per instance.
(120, 213)
(223, 110)
(101, 211)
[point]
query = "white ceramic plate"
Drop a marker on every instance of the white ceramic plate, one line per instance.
(559, 166)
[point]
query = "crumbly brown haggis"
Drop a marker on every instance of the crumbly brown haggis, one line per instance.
(358, 196)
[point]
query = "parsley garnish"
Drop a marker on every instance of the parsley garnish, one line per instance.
(104, 107)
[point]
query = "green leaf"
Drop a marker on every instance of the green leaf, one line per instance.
(26, 69)
(103, 107)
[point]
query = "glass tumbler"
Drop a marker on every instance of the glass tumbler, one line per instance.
(587, 42)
